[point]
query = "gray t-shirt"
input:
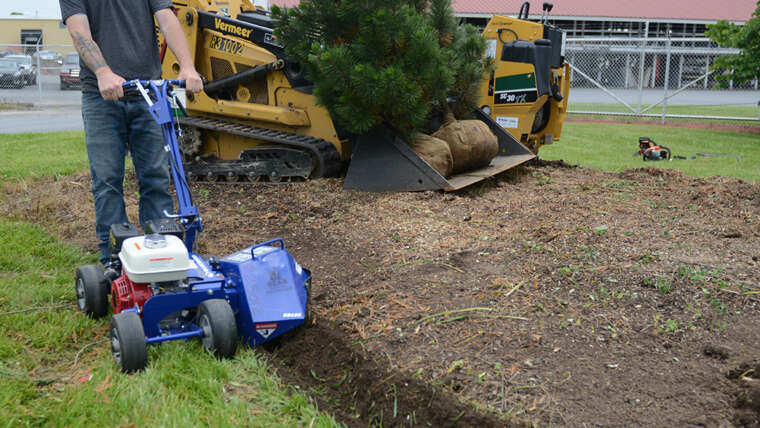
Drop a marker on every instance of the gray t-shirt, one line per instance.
(125, 33)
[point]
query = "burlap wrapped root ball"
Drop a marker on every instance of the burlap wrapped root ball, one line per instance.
(435, 152)
(472, 144)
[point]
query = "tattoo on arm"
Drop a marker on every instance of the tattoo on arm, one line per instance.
(89, 51)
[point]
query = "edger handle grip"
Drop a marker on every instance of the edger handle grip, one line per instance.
(173, 82)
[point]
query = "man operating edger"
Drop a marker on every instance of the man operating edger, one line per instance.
(116, 41)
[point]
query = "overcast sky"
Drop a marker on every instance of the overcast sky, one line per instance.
(31, 8)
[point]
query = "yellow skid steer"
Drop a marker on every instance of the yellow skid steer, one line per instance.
(258, 120)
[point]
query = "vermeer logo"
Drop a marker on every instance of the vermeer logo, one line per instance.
(230, 28)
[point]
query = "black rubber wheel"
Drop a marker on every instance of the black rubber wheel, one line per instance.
(128, 344)
(217, 321)
(91, 288)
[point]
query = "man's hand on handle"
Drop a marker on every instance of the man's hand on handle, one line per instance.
(109, 84)
(177, 42)
(193, 82)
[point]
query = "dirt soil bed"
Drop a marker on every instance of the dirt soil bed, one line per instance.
(550, 295)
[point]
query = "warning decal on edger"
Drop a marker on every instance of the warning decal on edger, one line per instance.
(266, 329)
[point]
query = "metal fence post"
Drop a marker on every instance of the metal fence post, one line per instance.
(642, 60)
(667, 80)
(39, 75)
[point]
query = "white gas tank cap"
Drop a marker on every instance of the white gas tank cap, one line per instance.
(155, 240)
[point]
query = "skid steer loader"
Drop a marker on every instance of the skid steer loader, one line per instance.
(258, 120)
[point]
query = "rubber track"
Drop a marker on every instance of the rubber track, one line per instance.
(327, 158)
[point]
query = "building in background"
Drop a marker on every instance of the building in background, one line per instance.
(23, 35)
(642, 18)
(630, 44)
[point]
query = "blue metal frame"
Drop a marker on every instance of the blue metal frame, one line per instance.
(161, 111)
(265, 287)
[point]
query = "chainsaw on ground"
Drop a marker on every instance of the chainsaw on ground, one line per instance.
(651, 151)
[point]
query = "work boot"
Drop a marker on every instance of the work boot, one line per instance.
(111, 271)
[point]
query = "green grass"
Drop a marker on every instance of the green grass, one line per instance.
(41, 155)
(56, 368)
(6, 106)
(182, 386)
(610, 147)
(750, 112)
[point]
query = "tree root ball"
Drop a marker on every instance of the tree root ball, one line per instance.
(472, 144)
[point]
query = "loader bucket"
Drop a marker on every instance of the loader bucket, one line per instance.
(382, 162)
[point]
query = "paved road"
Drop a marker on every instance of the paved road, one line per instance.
(46, 120)
(50, 96)
(56, 110)
(651, 96)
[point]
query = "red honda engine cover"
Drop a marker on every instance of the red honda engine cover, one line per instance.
(125, 294)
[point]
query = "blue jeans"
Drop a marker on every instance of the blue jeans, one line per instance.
(111, 128)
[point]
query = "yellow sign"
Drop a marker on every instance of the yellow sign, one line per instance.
(231, 28)
(225, 45)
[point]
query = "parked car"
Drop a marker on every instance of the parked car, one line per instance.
(70, 72)
(28, 67)
(11, 74)
(6, 52)
(48, 58)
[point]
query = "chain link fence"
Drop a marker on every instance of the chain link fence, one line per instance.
(644, 77)
(39, 76)
(655, 77)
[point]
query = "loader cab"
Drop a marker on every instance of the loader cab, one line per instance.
(257, 18)
(527, 91)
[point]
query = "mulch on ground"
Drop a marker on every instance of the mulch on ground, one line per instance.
(549, 295)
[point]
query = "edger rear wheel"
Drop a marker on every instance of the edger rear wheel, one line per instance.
(217, 321)
(128, 343)
(91, 287)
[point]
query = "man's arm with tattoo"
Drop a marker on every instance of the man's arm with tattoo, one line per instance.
(109, 83)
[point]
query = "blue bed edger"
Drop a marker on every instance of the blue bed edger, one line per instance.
(161, 290)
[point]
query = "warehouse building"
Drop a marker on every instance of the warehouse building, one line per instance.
(683, 21)
(643, 18)
(23, 34)
(626, 44)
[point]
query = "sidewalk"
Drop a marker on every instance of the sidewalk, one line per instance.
(41, 120)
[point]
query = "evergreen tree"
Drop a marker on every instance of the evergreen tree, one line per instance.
(464, 48)
(372, 61)
(383, 61)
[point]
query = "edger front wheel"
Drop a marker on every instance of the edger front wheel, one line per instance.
(91, 288)
(128, 343)
(217, 321)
